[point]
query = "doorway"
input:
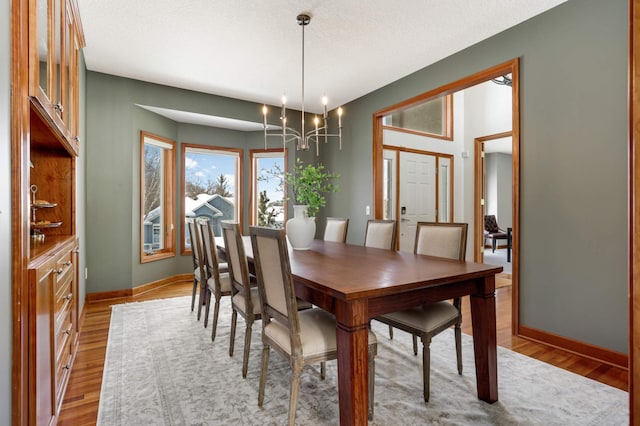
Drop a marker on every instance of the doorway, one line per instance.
(465, 193)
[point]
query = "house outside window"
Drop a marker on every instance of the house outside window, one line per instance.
(268, 205)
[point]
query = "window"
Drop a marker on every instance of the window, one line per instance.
(157, 195)
(268, 207)
(433, 117)
(212, 178)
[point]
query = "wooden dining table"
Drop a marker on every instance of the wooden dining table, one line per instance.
(358, 283)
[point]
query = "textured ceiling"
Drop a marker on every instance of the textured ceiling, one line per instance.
(252, 49)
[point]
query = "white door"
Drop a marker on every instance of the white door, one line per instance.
(417, 195)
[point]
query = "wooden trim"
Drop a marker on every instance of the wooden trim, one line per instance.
(135, 291)
(169, 195)
(634, 214)
(512, 67)
(19, 209)
(596, 353)
(239, 185)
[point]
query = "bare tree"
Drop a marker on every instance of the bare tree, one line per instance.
(152, 178)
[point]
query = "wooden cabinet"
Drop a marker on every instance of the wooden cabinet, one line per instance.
(46, 40)
(54, 42)
(54, 327)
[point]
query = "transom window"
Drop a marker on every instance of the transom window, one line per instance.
(433, 118)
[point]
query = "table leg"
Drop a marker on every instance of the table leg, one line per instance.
(352, 340)
(483, 316)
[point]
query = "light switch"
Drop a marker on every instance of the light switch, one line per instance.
(367, 210)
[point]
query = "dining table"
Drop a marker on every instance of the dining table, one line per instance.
(357, 283)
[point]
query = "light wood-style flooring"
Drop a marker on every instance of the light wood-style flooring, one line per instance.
(80, 406)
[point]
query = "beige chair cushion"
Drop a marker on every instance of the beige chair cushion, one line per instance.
(196, 273)
(317, 333)
(379, 235)
(434, 316)
(225, 282)
(440, 241)
(238, 299)
(223, 267)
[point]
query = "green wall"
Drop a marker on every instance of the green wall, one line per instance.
(573, 166)
(6, 318)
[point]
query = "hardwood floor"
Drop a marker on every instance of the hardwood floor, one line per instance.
(80, 406)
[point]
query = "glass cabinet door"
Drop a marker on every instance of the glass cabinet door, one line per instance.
(66, 75)
(58, 23)
(40, 45)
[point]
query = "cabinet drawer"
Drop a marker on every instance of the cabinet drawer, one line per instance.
(63, 337)
(63, 269)
(63, 368)
(62, 301)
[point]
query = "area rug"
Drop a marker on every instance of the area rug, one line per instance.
(162, 368)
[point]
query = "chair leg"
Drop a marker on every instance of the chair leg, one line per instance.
(415, 345)
(193, 294)
(372, 376)
(458, 335)
(234, 320)
(426, 365)
(207, 305)
(214, 326)
(293, 396)
(493, 245)
(323, 370)
(247, 347)
(201, 298)
(263, 374)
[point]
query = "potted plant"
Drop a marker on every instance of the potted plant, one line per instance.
(308, 185)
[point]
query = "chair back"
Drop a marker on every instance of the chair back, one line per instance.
(447, 240)
(209, 248)
(491, 224)
(275, 284)
(237, 261)
(336, 229)
(381, 234)
(197, 254)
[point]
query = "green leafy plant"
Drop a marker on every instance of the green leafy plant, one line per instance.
(308, 184)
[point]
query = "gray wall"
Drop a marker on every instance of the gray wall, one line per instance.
(573, 173)
(573, 164)
(113, 124)
(6, 324)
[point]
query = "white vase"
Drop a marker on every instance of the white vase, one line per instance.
(301, 229)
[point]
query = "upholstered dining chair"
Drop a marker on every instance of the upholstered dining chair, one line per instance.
(244, 297)
(381, 234)
(492, 231)
(302, 337)
(446, 240)
(336, 229)
(218, 283)
(199, 270)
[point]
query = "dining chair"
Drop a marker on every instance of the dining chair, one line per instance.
(218, 283)
(199, 271)
(303, 337)
(446, 240)
(492, 231)
(381, 234)
(336, 229)
(244, 297)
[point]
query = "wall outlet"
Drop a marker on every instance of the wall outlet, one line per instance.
(367, 210)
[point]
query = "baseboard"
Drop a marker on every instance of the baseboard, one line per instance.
(596, 353)
(143, 288)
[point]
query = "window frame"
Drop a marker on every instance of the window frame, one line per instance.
(447, 119)
(238, 186)
(168, 195)
(254, 155)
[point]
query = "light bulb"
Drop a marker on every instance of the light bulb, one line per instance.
(325, 100)
(284, 99)
(264, 109)
(340, 112)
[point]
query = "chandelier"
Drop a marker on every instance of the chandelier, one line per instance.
(302, 138)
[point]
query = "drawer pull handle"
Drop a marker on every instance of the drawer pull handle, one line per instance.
(58, 271)
(69, 296)
(67, 263)
(68, 332)
(67, 366)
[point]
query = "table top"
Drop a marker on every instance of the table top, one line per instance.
(350, 272)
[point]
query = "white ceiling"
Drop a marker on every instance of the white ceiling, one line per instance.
(252, 49)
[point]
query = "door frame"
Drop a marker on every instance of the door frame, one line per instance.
(478, 216)
(511, 66)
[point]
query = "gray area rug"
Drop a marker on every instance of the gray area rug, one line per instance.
(161, 368)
